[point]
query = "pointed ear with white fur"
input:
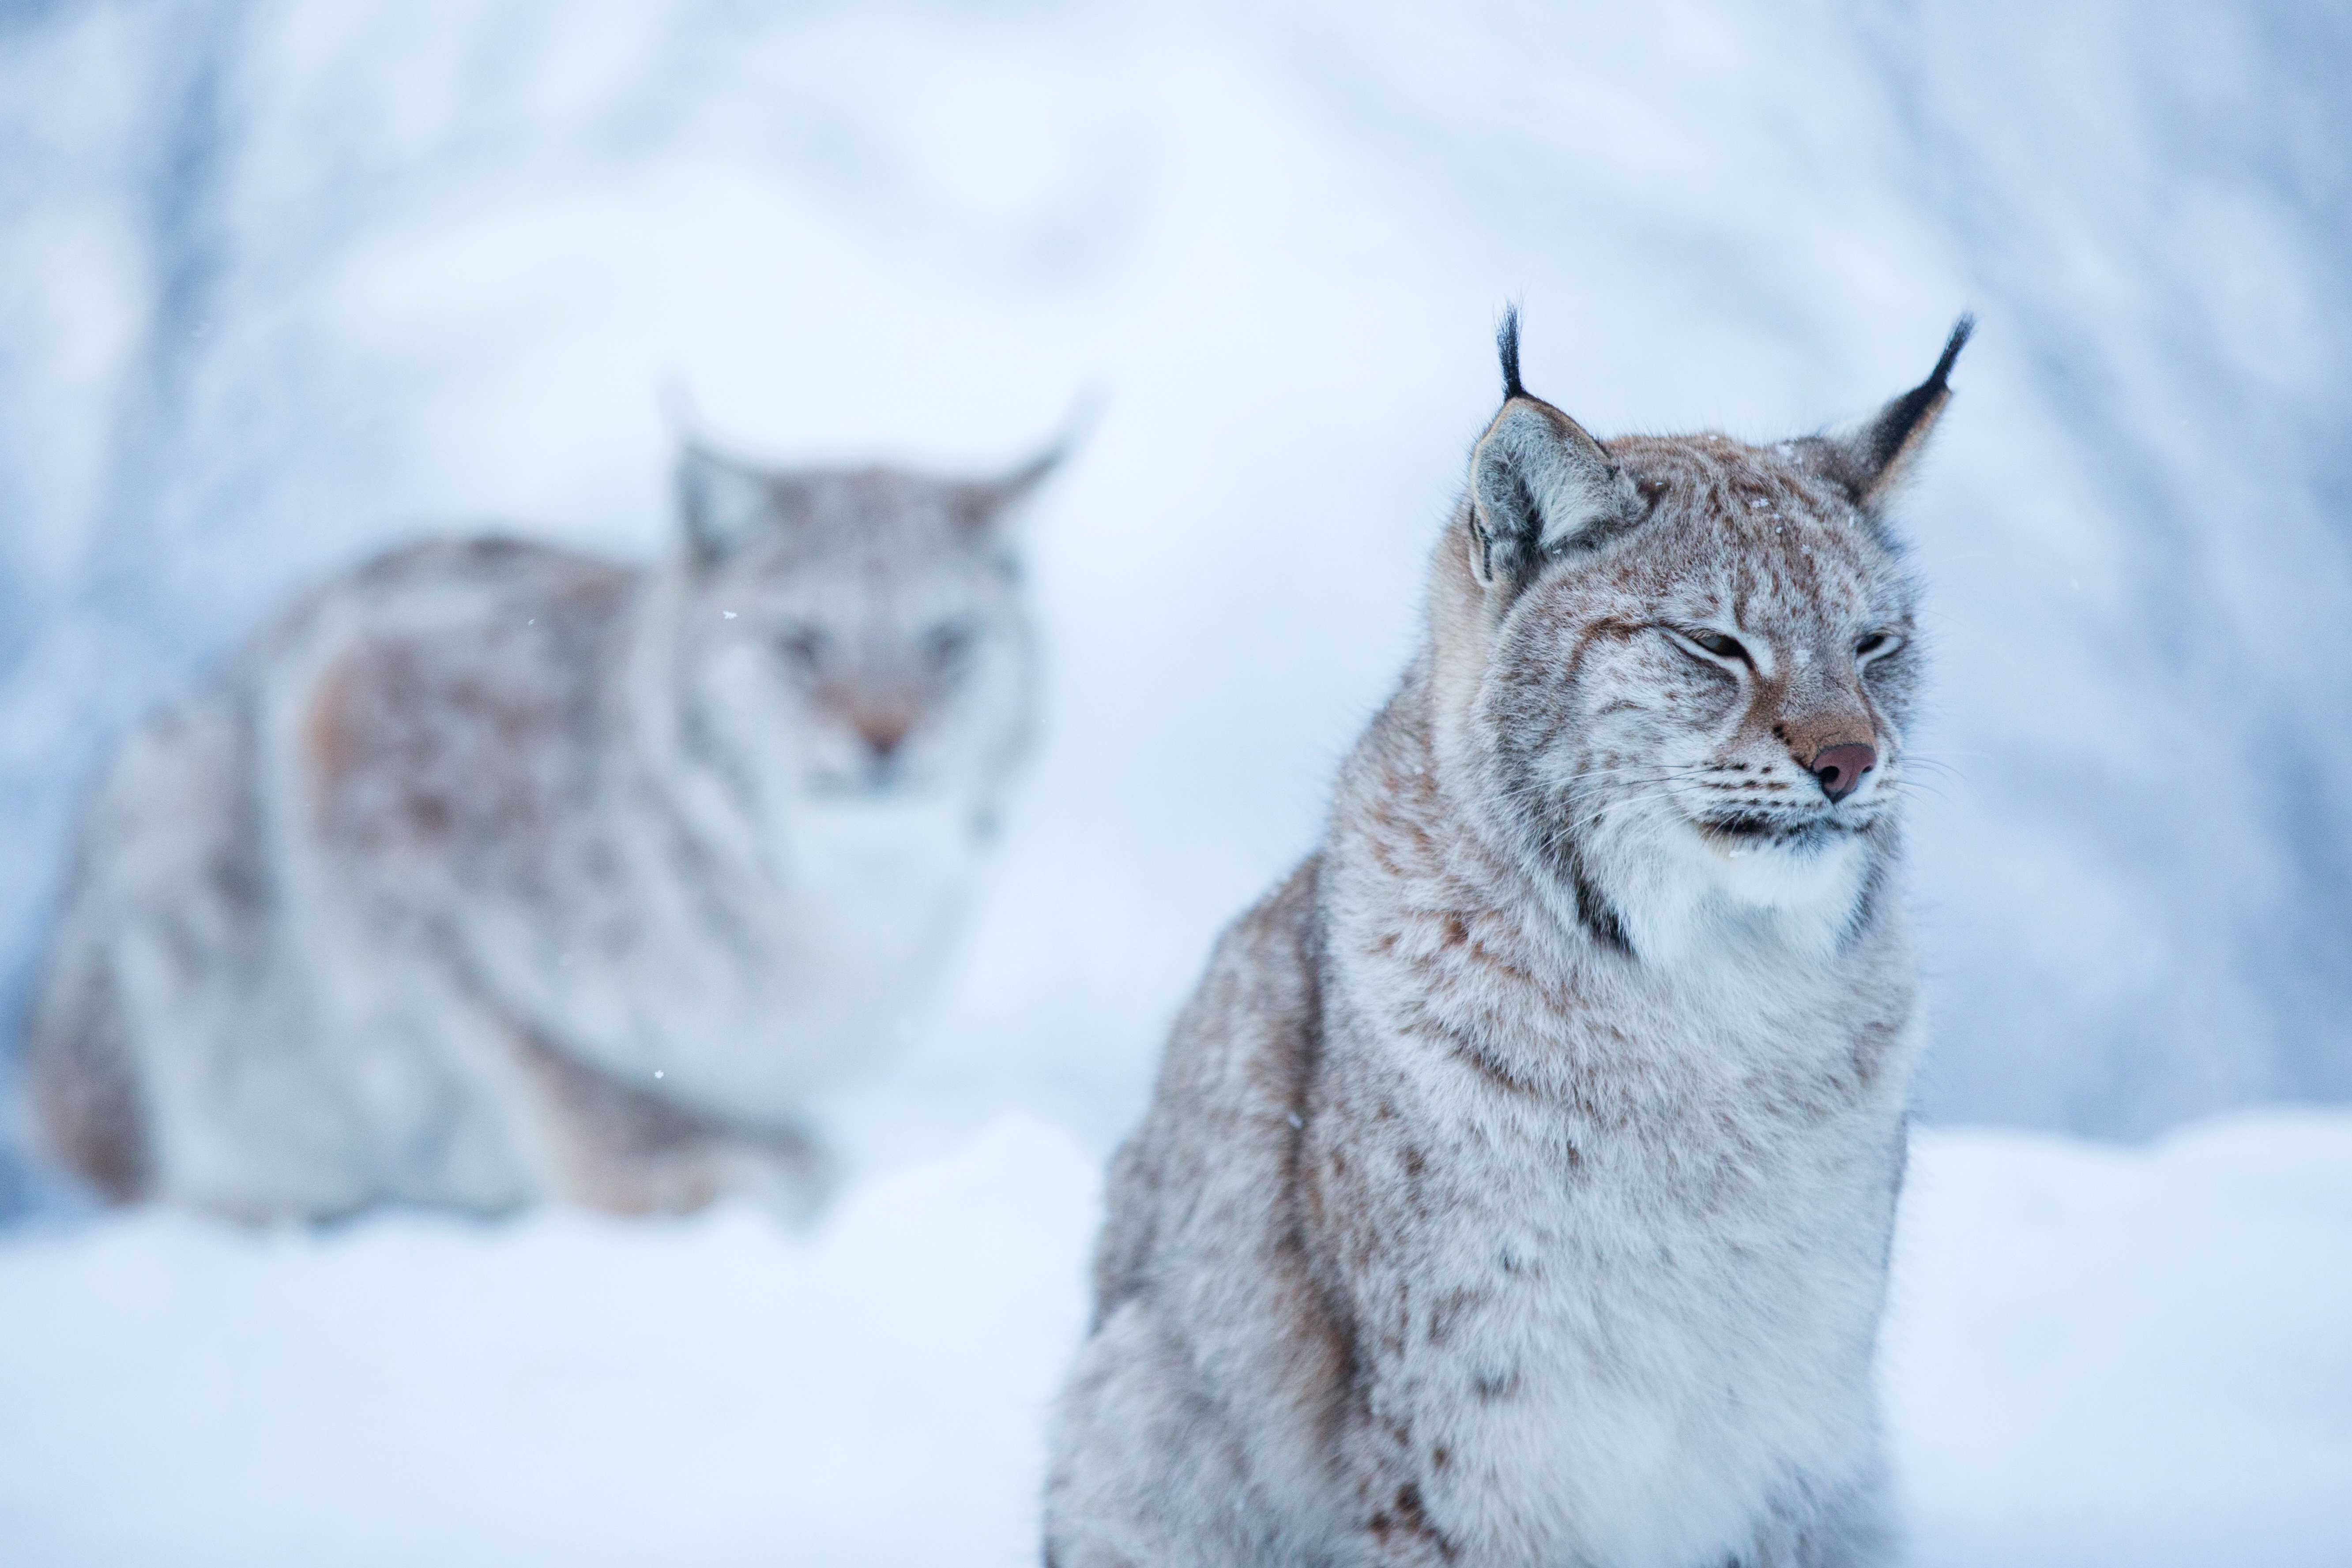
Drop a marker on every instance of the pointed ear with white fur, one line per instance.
(1870, 457)
(726, 506)
(1539, 484)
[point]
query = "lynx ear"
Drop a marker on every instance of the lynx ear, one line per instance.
(1870, 457)
(984, 504)
(726, 506)
(1538, 482)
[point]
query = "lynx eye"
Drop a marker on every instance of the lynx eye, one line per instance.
(1716, 643)
(1875, 642)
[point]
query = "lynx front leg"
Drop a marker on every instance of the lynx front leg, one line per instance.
(1393, 1528)
(1395, 1534)
(1147, 1470)
(625, 1150)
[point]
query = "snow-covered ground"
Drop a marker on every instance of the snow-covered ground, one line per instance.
(2096, 1356)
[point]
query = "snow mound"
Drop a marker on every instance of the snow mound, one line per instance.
(2100, 1354)
(563, 1389)
(2097, 1355)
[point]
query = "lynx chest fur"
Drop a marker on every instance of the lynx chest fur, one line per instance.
(491, 873)
(1518, 1187)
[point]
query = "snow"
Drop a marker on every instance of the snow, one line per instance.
(562, 1389)
(2096, 1356)
(2102, 1355)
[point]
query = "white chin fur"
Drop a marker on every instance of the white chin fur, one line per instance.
(1789, 877)
(1685, 895)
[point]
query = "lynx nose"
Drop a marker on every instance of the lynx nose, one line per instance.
(883, 736)
(1839, 768)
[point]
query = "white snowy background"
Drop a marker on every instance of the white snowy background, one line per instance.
(285, 283)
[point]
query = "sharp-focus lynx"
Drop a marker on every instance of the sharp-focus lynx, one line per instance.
(1519, 1185)
(491, 873)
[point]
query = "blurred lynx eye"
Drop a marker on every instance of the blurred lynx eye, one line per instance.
(802, 647)
(947, 647)
(1876, 642)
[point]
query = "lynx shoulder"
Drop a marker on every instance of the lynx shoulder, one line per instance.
(1519, 1185)
(490, 873)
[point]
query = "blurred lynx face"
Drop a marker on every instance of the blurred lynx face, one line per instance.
(1699, 663)
(853, 637)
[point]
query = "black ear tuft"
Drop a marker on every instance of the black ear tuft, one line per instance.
(1895, 426)
(1506, 345)
(1539, 483)
(1870, 457)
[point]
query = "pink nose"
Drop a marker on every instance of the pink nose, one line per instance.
(1839, 768)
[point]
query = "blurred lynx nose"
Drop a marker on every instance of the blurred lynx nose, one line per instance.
(883, 733)
(1839, 768)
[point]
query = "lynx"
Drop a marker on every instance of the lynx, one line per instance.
(1518, 1183)
(491, 874)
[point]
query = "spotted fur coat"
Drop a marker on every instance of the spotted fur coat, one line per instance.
(1517, 1189)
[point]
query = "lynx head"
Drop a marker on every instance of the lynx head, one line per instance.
(1677, 673)
(853, 637)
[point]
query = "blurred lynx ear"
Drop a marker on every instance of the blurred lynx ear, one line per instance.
(993, 499)
(1539, 483)
(986, 503)
(1870, 457)
(725, 506)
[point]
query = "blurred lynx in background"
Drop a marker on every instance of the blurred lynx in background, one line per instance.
(491, 873)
